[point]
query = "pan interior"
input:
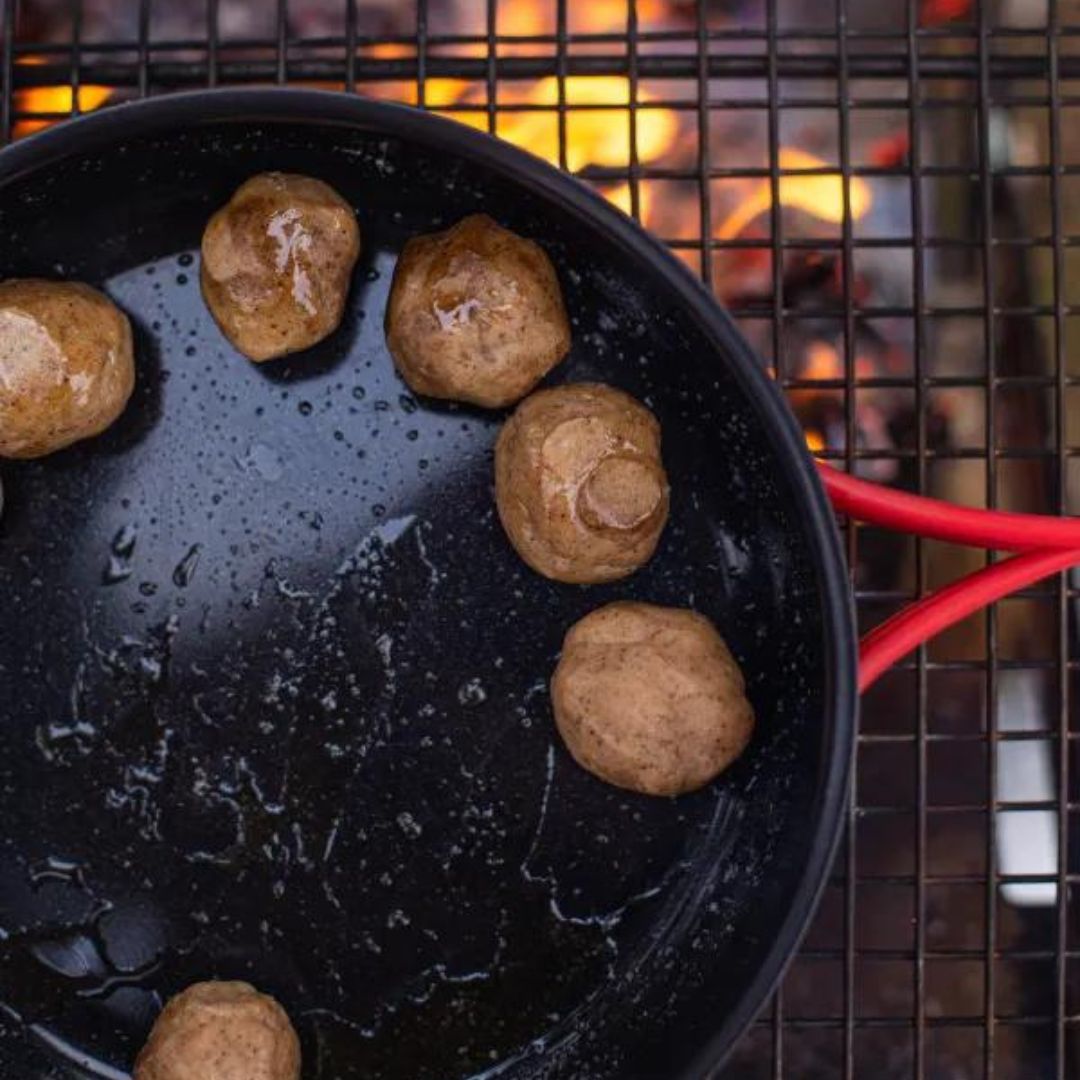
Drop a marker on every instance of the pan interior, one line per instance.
(274, 686)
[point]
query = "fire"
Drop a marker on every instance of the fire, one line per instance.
(820, 194)
(53, 99)
(527, 18)
(594, 136)
(815, 441)
(598, 119)
(619, 195)
(392, 50)
(602, 16)
(822, 362)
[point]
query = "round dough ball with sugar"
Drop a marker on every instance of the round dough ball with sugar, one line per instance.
(650, 698)
(276, 263)
(475, 314)
(579, 483)
(67, 366)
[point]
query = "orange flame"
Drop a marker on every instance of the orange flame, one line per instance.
(620, 196)
(597, 133)
(819, 194)
(594, 136)
(815, 441)
(392, 50)
(52, 99)
(529, 18)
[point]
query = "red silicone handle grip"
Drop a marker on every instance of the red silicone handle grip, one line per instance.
(908, 629)
(1049, 545)
(996, 530)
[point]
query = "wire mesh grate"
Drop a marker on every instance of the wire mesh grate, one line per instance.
(886, 198)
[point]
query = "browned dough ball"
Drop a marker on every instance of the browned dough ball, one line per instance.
(67, 367)
(650, 698)
(221, 1031)
(276, 263)
(579, 483)
(475, 314)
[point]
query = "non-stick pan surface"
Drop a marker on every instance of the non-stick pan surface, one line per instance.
(273, 685)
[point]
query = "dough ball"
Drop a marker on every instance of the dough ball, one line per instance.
(649, 698)
(579, 483)
(221, 1031)
(276, 263)
(67, 367)
(475, 314)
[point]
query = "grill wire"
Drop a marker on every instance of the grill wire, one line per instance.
(918, 964)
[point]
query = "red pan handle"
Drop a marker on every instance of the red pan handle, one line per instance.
(1048, 545)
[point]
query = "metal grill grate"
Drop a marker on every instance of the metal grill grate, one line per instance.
(946, 943)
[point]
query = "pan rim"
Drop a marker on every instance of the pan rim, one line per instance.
(839, 714)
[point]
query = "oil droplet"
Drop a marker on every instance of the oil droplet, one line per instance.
(408, 403)
(264, 461)
(118, 570)
(119, 567)
(409, 825)
(124, 541)
(53, 868)
(185, 568)
(305, 408)
(471, 692)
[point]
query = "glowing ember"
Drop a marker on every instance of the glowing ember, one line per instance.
(822, 362)
(819, 194)
(935, 12)
(891, 151)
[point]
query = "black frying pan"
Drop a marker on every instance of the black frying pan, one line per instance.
(274, 685)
